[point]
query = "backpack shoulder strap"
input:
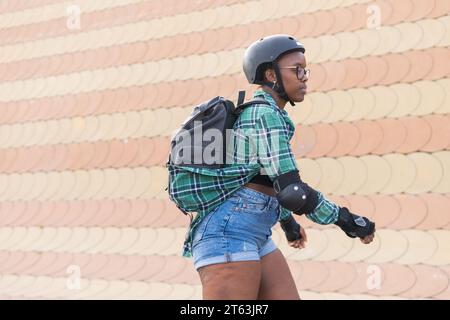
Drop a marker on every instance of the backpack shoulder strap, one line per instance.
(241, 97)
(254, 101)
(241, 105)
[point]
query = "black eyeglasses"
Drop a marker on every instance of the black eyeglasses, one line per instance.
(302, 73)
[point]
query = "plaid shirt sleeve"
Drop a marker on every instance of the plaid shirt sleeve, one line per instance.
(276, 157)
(273, 148)
(326, 211)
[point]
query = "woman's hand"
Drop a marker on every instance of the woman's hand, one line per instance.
(368, 239)
(295, 235)
(299, 243)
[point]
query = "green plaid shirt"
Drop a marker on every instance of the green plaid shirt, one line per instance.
(259, 144)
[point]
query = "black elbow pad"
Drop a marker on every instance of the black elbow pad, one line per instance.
(293, 194)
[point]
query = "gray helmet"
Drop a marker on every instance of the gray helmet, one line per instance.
(267, 50)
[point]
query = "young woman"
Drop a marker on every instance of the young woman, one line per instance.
(230, 239)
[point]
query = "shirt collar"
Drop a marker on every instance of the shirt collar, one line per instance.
(268, 97)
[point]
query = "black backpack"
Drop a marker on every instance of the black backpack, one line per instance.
(217, 114)
(216, 118)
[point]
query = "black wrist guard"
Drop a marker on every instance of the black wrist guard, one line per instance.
(291, 228)
(353, 225)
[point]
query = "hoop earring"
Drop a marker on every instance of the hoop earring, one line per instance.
(274, 84)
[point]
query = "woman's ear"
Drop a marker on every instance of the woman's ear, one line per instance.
(270, 76)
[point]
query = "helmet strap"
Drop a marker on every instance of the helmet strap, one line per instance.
(278, 86)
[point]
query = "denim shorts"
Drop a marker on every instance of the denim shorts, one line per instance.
(237, 230)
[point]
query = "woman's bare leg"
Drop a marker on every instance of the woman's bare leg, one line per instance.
(276, 278)
(231, 281)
